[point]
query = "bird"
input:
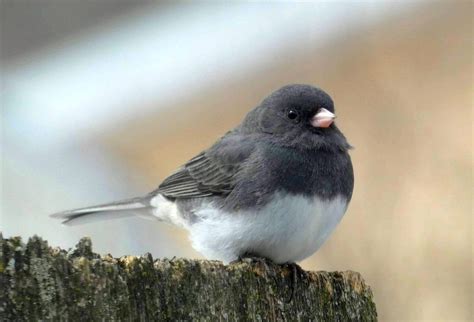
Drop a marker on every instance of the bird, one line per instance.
(275, 186)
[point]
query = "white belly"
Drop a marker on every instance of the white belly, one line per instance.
(288, 229)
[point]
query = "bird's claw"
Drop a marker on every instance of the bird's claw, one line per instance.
(296, 272)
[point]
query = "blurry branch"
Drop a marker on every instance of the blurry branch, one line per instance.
(42, 283)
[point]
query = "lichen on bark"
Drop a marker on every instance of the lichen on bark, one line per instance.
(38, 282)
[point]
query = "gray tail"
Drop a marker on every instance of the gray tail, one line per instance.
(130, 207)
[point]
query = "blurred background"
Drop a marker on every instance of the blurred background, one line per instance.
(101, 100)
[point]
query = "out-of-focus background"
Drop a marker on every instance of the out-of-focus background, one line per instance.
(100, 100)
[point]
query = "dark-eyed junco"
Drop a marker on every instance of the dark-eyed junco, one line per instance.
(275, 186)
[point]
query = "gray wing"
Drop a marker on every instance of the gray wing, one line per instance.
(212, 172)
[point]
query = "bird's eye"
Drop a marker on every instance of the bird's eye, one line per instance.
(292, 115)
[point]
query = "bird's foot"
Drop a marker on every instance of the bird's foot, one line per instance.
(295, 270)
(296, 273)
(252, 259)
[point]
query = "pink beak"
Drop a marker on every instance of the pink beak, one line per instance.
(323, 118)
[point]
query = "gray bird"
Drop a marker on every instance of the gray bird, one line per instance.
(275, 187)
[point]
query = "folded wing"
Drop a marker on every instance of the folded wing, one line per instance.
(212, 172)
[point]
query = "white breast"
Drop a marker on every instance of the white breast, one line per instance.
(288, 229)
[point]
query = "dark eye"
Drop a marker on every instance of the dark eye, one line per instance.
(292, 114)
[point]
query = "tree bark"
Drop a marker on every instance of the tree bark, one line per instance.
(38, 282)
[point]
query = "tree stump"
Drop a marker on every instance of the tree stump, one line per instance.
(38, 282)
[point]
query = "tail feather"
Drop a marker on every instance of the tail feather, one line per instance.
(119, 209)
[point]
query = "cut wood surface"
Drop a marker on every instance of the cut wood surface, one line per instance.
(38, 282)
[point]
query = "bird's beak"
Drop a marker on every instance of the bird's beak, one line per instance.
(323, 118)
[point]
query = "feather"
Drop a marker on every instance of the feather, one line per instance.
(118, 209)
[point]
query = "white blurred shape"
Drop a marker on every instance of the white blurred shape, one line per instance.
(160, 55)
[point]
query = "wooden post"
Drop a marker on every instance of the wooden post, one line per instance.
(38, 282)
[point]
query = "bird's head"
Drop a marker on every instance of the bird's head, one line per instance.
(300, 116)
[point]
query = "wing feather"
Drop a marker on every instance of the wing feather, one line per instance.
(207, 174)
(200, 177)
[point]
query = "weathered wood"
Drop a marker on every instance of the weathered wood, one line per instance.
(42, 283)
